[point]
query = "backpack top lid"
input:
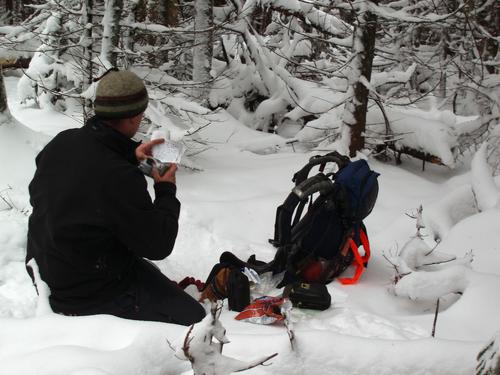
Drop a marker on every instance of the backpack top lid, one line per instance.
(356, 190)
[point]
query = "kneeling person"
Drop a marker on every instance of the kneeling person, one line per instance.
(94, 222)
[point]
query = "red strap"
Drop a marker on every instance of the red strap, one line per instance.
(359, 261)
(359, 264)
(185, 282)
(366, 245)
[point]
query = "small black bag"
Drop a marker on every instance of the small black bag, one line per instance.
(308, 296)
(238, 290)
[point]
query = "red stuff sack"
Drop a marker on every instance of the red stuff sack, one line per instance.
(264, 310)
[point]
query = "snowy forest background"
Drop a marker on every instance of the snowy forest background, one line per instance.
(253, 89)
(308, 71)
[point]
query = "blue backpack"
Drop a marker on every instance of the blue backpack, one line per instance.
(318, 244)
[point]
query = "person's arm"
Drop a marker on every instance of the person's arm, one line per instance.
(148, 229)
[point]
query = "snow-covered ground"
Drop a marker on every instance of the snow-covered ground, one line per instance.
(230, 205)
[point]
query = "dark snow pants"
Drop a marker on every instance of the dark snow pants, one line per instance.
(152, 297)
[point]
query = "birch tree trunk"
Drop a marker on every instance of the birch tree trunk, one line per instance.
(111, 33)
(87, 64)
(354, 118)
(106, 42)
(203, 46)
(86, 42)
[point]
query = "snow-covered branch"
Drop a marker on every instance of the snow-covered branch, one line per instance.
(382, 78)
(422, 273)
(325, 22)
(205, 354)
(425, 285)
(401, 15)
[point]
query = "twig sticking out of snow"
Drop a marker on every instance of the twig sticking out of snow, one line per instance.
(420, 222)
(43, 305)
(401, 269)
(435, 319)
(205, 354)
(416, 253)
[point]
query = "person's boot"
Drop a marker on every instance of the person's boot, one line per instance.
(216, 286)
(227, 281)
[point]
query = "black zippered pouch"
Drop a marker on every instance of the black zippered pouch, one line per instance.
(308, 296)
(238, 290)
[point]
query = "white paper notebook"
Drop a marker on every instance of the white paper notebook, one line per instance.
(168, 151)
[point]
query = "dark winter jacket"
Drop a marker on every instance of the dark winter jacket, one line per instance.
(93, 217)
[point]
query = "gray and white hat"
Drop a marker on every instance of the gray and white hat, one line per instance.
(120, 94)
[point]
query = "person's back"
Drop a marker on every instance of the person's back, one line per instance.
(93, 221)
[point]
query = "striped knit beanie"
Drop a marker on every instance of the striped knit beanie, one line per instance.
(119, 95)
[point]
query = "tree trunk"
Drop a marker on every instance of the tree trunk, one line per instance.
(445, 52)
(88, 64)
(203, 45)
(354, 119)
(9, 7)
(164, 12)
(172, 10)
(111, 33)
(129, 9)
(116, 31)
(106, 43)
(4, 108)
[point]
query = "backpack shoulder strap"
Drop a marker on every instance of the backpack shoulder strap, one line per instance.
(321, 160)
(300, 193)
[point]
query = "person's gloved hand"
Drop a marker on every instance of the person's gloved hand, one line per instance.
(144, 150)
(168, 176)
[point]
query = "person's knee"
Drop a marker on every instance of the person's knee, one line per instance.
(199, 312)
(193, 312)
